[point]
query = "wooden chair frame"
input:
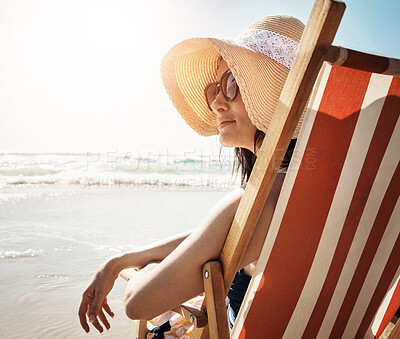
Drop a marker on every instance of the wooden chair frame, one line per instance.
(314, 48)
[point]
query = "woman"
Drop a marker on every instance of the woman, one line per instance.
(220, 87)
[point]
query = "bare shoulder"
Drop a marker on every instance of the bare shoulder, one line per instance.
(234, 196)
(230, 202)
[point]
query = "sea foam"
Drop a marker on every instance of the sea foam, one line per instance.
(19, 254)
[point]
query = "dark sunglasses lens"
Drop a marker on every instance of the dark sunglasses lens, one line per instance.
(229, 86)
(211, 94)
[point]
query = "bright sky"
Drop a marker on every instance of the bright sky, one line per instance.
(81, 75)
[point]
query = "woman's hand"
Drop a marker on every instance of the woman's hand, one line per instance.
(94, 299)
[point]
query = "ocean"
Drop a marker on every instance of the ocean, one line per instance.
(62, 215)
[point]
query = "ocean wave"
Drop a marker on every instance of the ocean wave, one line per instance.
(29, 171)
(32, 182)
(19, 254)
(151, 171)
(53, 276)
(163, 182)
(18, 196)
(151, 180)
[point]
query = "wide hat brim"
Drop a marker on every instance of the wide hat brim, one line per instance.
(192, 64)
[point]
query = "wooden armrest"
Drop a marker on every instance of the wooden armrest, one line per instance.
(192, 314)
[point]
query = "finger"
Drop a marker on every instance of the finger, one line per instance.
(82, 316)
(97, 325)
(104, 320)
(95, 308)
(108, 309)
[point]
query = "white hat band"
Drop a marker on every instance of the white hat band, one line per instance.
(274, 45)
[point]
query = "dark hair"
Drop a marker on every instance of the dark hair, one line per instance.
(246, 159)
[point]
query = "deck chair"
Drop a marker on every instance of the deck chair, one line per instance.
(332, 252)
(330, 264)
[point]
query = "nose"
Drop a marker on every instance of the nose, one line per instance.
(219, 105)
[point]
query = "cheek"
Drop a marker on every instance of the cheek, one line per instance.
(243, 117)
(240, 110)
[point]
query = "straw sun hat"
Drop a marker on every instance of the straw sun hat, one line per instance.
(260, 60)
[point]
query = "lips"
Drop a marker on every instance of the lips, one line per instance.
(225, 123)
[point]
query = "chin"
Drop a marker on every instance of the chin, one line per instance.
(227, 141)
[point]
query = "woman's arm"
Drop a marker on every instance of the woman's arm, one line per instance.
(94, 299)
(139, 258)
(178, 277)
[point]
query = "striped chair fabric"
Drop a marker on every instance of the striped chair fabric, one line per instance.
(330, 263)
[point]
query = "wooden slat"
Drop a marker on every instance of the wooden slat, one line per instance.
(346, 57)
(141, 329)
(195, 316)
(216, 306)
(200, 333)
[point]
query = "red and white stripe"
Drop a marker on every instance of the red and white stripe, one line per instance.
(332, 252)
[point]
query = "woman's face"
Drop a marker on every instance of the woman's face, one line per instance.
(234, 125)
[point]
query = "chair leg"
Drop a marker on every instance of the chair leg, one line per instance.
(215, 299)
(141, 329)
(395, 333)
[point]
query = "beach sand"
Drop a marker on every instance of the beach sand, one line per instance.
(51, 242)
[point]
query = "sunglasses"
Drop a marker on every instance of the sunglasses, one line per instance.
(227, 85)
